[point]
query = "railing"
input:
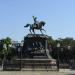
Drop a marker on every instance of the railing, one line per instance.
(30, 66)
(40, 65)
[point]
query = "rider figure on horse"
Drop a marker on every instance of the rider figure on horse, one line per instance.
(35, 22)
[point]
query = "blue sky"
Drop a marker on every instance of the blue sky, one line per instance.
(59, 16)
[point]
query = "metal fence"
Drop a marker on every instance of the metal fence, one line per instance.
(40, 65)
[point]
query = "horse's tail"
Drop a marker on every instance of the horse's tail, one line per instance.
(27, 25)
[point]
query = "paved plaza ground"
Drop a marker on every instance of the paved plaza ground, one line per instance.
(37, 73)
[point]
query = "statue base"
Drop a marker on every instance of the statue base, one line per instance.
(36, 46)
(34, 55)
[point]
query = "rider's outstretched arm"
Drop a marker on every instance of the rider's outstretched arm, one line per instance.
(34, 19)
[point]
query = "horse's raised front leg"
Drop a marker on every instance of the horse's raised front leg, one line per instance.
(41, 30)
(33, 31)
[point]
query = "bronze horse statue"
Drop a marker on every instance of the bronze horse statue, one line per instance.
(36, 25)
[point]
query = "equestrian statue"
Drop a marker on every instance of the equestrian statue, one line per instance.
(36, 25)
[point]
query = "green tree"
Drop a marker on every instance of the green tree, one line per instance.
(7, 42)
(50, 41)
(5, 49)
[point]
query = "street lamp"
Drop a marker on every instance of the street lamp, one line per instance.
(21, 46)
(58, 46)
(19, 50)
(69, 48)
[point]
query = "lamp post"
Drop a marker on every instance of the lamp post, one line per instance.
(21, 45)
(69, 48)
(58, 46)
(19, 50)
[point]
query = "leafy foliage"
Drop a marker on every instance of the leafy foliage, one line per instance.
(4, 51)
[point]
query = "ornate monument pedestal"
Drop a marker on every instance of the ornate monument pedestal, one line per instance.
(36, 46)
(35, 53)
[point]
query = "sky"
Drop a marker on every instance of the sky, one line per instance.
(59, 16)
